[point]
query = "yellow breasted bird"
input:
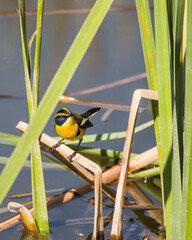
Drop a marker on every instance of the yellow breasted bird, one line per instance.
(72, 126)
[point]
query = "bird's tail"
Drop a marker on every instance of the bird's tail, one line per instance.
(91, 112)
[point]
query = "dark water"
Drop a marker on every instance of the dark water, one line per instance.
(114, 54)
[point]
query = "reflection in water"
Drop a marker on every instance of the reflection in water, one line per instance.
(154, 221)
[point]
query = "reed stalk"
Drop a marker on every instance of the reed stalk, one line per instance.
(173, 37)
(165, 106)
(187, 178)
(37, 179)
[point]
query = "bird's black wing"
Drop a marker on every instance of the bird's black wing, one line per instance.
(90, 112)
(87, 124)
(83, 123)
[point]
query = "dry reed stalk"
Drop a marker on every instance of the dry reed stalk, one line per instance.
(108, 176)
(64, 99)
(116, 231)
(98, 232)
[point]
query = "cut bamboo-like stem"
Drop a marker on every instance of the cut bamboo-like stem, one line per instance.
(116, 231)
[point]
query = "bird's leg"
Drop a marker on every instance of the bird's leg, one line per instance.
(76, 150)
(57, 144)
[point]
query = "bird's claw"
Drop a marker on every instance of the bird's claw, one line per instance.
(56, 146)
(71, 156)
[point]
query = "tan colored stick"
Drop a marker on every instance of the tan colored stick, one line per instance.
(98, 231)
(116, 231)
(64, 99)
(108, 176)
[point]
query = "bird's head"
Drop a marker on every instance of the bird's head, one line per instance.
(62, 115)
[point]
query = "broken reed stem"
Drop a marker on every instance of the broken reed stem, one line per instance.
(116, 230)
(136, 163)
(107, 177)
(98, 232)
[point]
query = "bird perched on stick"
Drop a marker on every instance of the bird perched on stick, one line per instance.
(72, 126)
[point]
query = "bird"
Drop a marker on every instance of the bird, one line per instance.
(72, 126)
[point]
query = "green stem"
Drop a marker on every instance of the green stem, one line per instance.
(186, 220)
(36, 72)
(38, 189)
(165, 106)
(22, 19)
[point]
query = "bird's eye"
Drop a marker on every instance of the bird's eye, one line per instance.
(60, 120)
